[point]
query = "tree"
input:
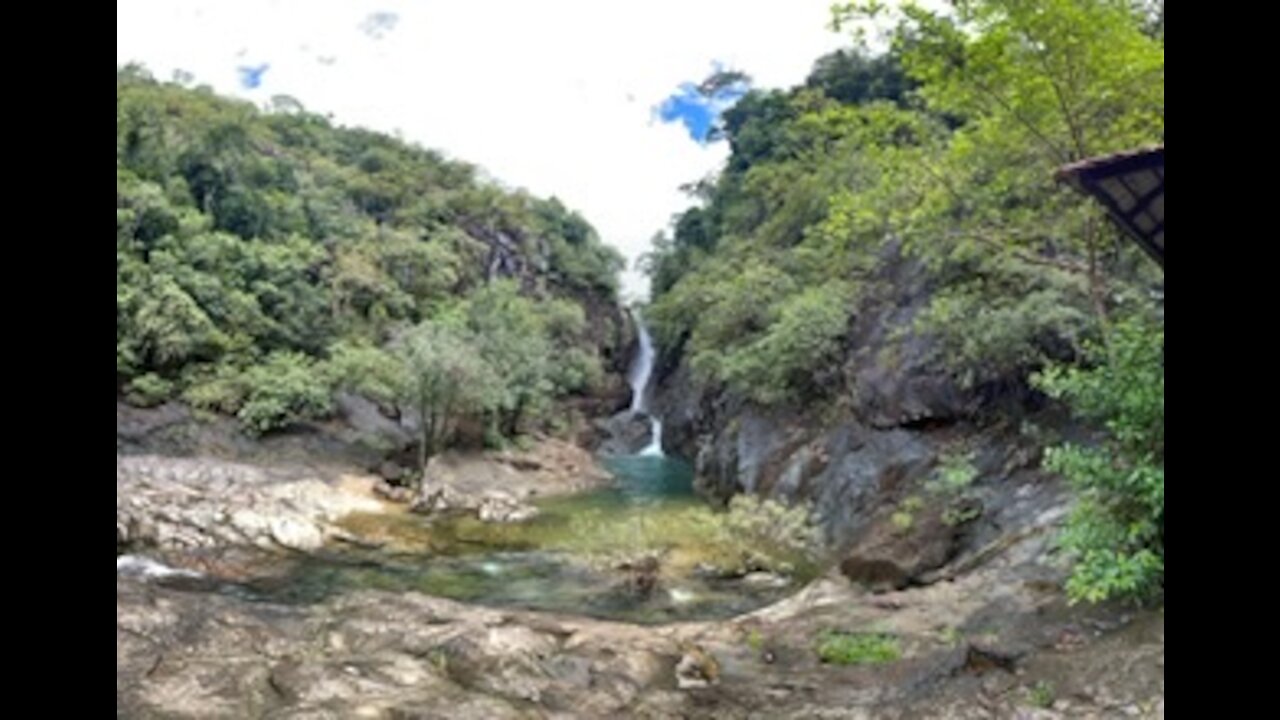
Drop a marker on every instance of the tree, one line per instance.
(855, 77)
(511, 336)
(1037, 84)
(804, 340)
(446, 379)
(170, 328)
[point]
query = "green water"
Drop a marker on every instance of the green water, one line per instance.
(573, 558)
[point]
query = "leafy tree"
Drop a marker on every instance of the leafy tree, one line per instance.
(446, 379)
(765, 305)
(149, 390)
(806, 338)
(576, 252)
(855, 77)
(218, 388)
(170, 328)
(1038, 85)
(828, 185)
(512, 338)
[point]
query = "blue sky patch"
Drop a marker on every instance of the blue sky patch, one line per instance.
(697, 110)
(251, 77)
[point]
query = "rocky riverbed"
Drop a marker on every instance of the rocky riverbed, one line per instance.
(991, 639)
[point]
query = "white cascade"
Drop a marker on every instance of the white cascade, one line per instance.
(641, 375)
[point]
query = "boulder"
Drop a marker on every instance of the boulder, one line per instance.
(505, 509)
(626, 433)
(891, 557)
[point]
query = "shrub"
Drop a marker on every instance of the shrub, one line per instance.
(219, 389)
(1116, 532)
(366, 370)
(285, 389)
(780, 534)
(149, 390)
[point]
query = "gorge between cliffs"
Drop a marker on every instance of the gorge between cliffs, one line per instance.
(862, 417)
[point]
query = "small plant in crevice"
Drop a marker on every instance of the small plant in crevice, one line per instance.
(438, 658)
(962, 512)
(950, 636)
(952, 482)
(956, 473)
(1042, 695)
(844, 648)
(904, 520)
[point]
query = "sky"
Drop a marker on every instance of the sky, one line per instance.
(587, 100)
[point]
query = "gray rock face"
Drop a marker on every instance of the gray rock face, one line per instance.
(858, 465)
(138, 430)
(358, 435)
(890, 556)
(626, 433)
(369, 424)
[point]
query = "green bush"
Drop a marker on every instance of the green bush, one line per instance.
(366, 370)
(779, 535)
(804, 340)
(149, 390)
(285, 389)
(218, 389)
(988, 330)
(1116, 532)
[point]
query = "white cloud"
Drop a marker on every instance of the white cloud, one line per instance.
(555, 96)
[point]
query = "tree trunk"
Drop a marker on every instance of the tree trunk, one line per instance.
(1097, 283)
(513, 420)
(423, 456)
(426, 447)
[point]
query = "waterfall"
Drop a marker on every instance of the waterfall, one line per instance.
(655, 445)
(641, 368)
(641, 375)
